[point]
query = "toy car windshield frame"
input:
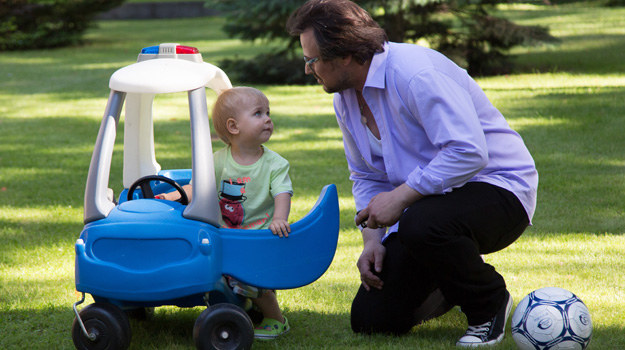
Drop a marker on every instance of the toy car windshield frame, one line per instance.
(137, 84)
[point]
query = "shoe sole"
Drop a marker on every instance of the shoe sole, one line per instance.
(270, 337)
(499, 338)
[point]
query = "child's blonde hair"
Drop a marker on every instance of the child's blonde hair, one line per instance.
(229, 103)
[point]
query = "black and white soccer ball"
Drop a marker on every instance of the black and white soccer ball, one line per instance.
(551, 318)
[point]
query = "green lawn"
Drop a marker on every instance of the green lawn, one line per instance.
(566, 100)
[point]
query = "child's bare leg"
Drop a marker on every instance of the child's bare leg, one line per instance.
(268, 305)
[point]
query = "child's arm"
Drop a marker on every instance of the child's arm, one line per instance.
(175, 195)
(282, 206)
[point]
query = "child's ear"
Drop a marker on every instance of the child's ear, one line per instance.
(232, 126)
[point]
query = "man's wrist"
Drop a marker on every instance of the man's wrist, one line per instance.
(372, 235)
(407, 195)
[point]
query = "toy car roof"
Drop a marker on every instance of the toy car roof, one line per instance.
(167, 75)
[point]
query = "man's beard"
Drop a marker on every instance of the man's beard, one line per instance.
(342, 83)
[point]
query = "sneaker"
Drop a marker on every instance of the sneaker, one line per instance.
(271, 329)
(491, 332)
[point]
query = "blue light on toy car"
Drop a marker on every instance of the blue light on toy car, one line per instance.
(150, 50)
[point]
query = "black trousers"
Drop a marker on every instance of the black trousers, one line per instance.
(437, 250)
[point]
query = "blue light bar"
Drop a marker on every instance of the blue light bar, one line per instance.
(150, 50)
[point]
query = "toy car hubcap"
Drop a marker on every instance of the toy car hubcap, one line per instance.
(224, 334)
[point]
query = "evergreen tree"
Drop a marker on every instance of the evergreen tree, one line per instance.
(461, 29)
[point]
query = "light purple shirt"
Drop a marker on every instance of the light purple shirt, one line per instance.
(437, 127)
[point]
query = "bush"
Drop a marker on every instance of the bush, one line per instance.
(615, 3)
(30, 24)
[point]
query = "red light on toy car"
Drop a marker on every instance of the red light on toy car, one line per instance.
(180, 49)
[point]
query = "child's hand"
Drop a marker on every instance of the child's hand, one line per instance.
(161, 196)
(280, 227)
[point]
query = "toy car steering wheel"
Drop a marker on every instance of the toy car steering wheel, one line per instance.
(146, 190)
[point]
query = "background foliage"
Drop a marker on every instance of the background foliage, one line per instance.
(566, 101)
(30, 24)
(464, 30)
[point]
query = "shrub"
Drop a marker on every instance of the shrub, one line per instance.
(30, 24)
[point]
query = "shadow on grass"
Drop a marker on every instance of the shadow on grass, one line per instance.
(50, 327)
(581, 60)
(578, 150)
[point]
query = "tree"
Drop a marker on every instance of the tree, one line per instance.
(30, 24)
(266, 21)
(461, 29)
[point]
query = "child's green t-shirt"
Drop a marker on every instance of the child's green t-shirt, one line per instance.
(246, 192)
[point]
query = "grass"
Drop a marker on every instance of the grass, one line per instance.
(566, 101)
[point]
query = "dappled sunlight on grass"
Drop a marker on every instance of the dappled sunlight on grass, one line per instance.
(548, 81)
(520, 123)
(566, 100)
(583, 263)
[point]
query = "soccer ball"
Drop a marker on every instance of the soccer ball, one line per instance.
(551, 318)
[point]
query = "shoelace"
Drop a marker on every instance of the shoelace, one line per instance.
(479, 331)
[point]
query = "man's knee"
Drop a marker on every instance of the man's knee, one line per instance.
(368, 317)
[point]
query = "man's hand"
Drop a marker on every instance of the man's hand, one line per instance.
(386, 207)
(372, 256)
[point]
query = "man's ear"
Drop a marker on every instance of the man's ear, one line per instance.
(345, 61)
(232, 126)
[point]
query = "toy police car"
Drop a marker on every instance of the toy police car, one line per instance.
(138, 252)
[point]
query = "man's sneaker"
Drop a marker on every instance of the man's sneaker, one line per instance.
(491, 332)
(271, 329)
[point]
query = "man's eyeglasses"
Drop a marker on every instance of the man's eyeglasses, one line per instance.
(310, 61)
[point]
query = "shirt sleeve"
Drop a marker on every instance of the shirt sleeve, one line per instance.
(446, 112)
(280, 179)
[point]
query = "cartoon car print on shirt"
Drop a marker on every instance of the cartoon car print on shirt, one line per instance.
(231, 200)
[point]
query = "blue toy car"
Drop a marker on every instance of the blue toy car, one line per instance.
(137, 252)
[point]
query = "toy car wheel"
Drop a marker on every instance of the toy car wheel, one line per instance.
(223, 326)
(107, 323)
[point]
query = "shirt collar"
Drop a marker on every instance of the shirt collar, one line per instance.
(377, 69)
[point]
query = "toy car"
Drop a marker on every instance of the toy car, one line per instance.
(138, 252)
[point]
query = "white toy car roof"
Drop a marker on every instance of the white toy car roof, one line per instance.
(171, 72)
(165, 68)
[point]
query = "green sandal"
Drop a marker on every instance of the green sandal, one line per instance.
(271, 329)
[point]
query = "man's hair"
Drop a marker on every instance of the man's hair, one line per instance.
(341, 28)
(229, 103)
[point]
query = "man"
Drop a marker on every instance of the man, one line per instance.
(439, 177)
